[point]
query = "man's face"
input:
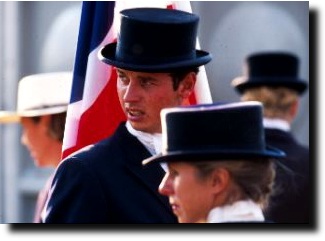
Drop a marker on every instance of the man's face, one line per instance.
(144, 95)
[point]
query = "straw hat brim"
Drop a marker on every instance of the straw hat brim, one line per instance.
(13, 116)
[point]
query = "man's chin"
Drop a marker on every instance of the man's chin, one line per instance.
(141, 127)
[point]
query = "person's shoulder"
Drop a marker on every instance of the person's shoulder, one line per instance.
(90, 157)
(301, 150)
(98, 147)
(81, 151)
(90, 152)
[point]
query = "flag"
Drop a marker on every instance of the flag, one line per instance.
(202, 93)
(94, 111)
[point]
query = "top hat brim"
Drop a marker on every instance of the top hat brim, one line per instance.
(108, 55)
(13, 117)
(215, 155)
(243, 83)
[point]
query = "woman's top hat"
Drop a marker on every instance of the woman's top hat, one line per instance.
(214, 132)
(40, 94)
(155, 40)
(273, 69)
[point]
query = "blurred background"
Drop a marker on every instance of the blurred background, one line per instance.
(38, 37)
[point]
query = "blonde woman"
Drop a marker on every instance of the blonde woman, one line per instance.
(220, 169)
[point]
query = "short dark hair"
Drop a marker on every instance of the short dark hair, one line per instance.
(179, 75)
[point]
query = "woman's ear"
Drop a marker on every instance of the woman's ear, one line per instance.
(220, 178)
(45, 120)
(293, 111)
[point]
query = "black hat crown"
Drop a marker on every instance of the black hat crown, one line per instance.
(214, 132)
(155, 39)
(271, 69)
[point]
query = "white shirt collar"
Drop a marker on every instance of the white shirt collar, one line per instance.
(152, 142)
(276, 124)
(245, 210)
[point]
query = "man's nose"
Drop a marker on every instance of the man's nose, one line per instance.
(132, 92)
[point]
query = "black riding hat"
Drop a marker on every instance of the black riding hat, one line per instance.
(271, 69)
(155, 40)
(214, 132)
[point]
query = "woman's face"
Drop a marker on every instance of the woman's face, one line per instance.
(36, 138)
(191, 198)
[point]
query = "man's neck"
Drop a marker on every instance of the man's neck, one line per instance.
(151, 141)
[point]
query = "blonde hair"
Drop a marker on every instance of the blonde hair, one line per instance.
(254, 178)
(277, 101)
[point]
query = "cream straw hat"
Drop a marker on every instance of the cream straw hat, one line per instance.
(40, 94)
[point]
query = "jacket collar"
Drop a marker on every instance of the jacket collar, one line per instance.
(240, 211)
(135, 153)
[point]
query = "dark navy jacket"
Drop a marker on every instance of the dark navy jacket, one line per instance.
(291, 203)
(108, 184)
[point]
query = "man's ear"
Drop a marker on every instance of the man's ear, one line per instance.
(220, 179)
(186, 86)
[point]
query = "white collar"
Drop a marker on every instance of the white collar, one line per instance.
(276, 124)
(152, 142)
(244, 210)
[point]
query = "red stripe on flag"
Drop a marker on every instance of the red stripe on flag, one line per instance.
(192, 98)
(94, 127)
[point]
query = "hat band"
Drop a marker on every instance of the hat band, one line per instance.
(44, 107)
(151, 57)
(259, 147)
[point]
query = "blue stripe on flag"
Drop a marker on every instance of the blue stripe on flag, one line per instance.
(96, 20)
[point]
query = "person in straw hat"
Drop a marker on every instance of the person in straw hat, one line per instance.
(222, 172)
(272, 78)
(42, 102)
(156, 63)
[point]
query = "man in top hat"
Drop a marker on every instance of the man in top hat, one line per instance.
(41, 110)
(224, 172)
(272, 78)
(156, 63)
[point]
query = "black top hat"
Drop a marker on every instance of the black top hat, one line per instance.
(271, 69)
(214, 132)
(155, 40)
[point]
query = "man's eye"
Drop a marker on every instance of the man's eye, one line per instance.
(146, 82)
(123, 79)
(173, 173)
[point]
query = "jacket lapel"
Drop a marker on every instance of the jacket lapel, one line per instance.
(136, 152)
